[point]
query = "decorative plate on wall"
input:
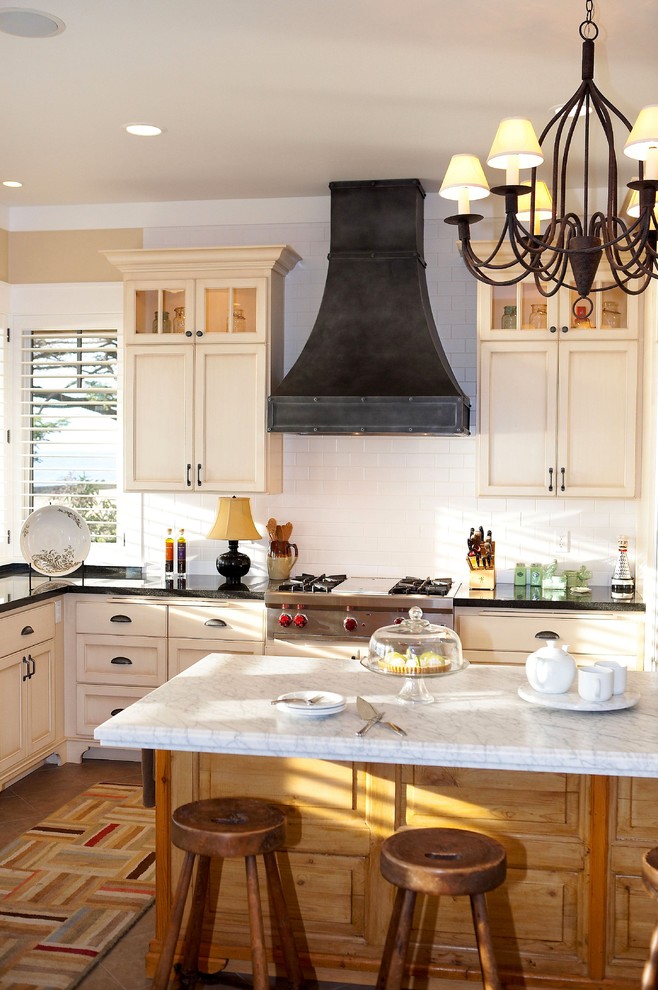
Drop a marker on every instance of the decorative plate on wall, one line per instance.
(55, 540)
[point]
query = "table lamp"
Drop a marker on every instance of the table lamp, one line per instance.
(233, 523)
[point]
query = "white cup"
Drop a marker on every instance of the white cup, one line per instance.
(595, 683)
(618, 672)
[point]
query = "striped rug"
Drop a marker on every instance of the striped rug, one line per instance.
(73, 885)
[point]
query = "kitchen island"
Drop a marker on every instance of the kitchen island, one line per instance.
(571, 795)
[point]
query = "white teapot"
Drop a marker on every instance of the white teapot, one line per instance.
(550, 669)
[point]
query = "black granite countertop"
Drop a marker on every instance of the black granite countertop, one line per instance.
(20, 586)
(506, 596)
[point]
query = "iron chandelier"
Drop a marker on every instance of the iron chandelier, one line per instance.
(569, 250)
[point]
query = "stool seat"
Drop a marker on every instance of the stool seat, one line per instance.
(435, 862)
(223, 828)
(228, 827)
(443, 861)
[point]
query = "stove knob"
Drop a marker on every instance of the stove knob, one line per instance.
(285, 619)
(396, 622)
(350, 624)
(300, 620)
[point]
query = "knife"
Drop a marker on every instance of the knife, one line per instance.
(372, 716)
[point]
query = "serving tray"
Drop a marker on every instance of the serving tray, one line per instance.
(572, 701)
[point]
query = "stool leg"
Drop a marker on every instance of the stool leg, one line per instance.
(258, 956)
(650, 971)
(485, 946)
(163, 972)
(391, 969)
(192, 940)
(282, 919)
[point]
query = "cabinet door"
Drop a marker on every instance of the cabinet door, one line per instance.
(597, 417)
(40, 699)
(154, 308)
(232, 310)
(184, 652)
(12, 722)
(159, 418)
(230, 428)
(518, 382)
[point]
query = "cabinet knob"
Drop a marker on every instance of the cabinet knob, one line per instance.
(565, 329)
(199, 333)
(188, 333)
(552, 329)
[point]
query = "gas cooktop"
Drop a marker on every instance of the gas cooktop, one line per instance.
(340, 584)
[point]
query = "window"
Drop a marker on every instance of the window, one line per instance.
(69, 425)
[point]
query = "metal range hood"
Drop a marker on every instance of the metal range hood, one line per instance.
(373, 362)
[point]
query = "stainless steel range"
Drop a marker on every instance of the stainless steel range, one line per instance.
(333, 615)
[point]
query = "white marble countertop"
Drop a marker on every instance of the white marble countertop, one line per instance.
(222, 705)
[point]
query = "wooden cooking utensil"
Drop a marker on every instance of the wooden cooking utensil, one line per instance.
(287, 531)
(271, 528)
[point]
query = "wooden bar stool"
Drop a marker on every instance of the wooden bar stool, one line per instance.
(227, 828)
(438, 861)
(650, 877)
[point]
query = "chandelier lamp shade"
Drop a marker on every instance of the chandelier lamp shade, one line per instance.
(542, 237)
(234, 522)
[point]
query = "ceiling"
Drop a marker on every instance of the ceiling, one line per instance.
(271, 98)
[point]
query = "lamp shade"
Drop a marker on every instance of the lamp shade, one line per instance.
(464, 174)
(543, 203)
(515, 140)
(234, 521)
(644, 134)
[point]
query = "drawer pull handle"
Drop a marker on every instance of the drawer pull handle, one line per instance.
(121, 660)
(26, 675)
(27, 631)
(120, 618)
(115, 711)
(215, 622)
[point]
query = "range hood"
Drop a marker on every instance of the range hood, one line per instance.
(373, 363)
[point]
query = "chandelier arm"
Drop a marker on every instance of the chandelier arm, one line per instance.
(488, 262)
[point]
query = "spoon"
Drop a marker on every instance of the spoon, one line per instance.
(305, 701)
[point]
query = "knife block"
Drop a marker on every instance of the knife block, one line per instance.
(481, 577)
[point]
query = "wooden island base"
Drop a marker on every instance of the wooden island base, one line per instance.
(573, 911)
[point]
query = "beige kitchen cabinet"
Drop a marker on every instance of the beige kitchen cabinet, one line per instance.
(226, 627)
(509, 635)
(203, 333)
(557, 404)
(30, 690)
(121, 655)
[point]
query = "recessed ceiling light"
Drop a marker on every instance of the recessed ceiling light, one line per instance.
(143, 130)
(26, 23)
(12, 183)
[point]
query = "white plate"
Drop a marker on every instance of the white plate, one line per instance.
(55, 540)
(329, 704)
(572, 701)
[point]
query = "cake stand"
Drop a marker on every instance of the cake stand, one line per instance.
(414, 691)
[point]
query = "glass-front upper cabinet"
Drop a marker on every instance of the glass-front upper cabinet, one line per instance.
(157, 311)
(506, 311)
(231, 309)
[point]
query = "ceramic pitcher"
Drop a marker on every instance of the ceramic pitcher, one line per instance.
(280, 559)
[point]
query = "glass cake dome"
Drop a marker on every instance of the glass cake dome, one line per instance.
(415, 648)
